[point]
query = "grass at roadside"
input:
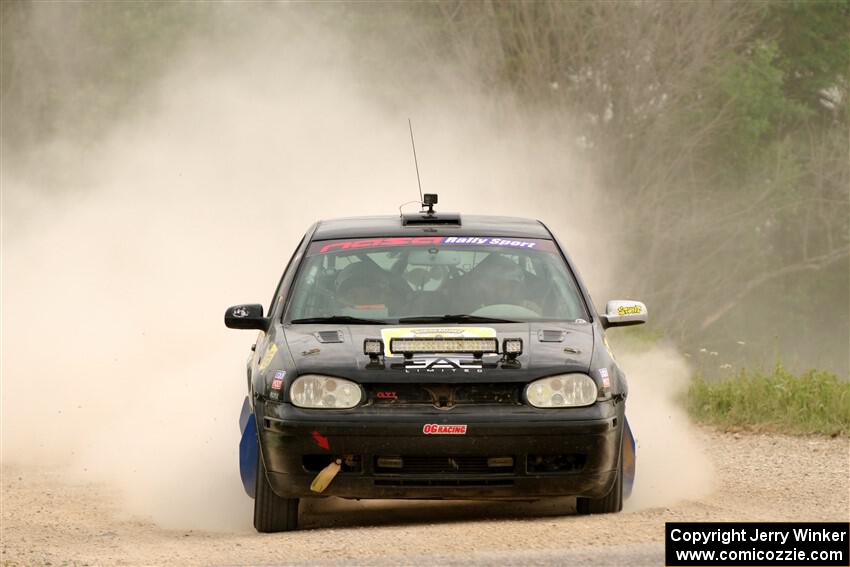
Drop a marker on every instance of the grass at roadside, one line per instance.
(813, 402)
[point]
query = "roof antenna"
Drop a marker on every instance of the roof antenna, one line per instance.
(428, 200)
(415, 161)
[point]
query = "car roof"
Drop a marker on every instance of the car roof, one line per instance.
(392, 225)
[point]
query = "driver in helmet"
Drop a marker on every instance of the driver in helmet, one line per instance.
(364, 286)
(496, 280)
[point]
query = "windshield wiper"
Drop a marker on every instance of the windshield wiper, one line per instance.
(454, 319)
(346, 319)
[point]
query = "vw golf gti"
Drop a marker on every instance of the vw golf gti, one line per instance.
(433, 356)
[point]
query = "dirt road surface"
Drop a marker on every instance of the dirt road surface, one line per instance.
(46, 521)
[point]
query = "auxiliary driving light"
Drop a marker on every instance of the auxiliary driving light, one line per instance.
(390, 462)
(441, 345)
(512, 347)
(499, 462)
(373, 347)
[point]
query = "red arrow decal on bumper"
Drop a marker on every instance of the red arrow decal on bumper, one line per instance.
(321, 441)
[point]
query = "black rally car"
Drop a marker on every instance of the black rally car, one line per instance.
(432, 356)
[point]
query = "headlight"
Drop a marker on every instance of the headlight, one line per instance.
(314, 391)
(562, 391)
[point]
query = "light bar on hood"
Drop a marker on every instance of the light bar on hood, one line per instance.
(439, 345)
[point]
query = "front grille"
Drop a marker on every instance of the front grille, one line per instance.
(558, 464)
(427, 465)
(315, 463)
(445, 482)
(444, 395)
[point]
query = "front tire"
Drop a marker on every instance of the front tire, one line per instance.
(271, 512)
(611, 502)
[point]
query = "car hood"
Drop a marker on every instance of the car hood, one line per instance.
(337, 350)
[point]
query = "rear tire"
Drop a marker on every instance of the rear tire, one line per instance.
(271, 512)
(611, 502)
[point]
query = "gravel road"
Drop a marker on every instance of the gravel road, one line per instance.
(46, 521)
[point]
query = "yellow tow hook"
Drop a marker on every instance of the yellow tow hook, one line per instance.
(326, 476)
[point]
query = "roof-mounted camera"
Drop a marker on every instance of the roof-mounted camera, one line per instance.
(429, 200)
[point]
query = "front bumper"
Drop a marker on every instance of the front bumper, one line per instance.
(295, 443)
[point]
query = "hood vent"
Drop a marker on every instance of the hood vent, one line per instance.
(551, 336)
(329, 336)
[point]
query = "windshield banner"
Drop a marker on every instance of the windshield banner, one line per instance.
(326, 246)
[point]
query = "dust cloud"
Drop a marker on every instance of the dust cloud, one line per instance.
(118, 265)
(671, 463)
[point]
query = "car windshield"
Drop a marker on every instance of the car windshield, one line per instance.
(434, 278)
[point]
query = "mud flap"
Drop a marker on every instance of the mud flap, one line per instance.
(629, 458)
(248, 449)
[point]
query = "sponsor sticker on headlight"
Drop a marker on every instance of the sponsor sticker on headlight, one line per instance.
(438, 429)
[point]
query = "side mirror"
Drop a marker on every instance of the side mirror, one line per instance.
(248, 316)
(624, 312)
